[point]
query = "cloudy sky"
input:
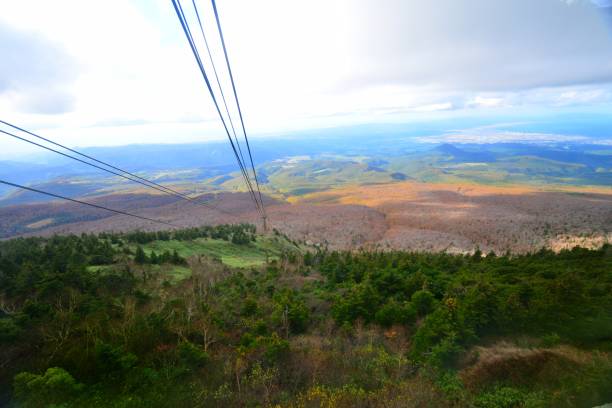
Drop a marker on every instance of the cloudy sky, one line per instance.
(116, 72)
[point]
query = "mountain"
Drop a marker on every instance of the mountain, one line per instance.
(459, 155)
(212, 166)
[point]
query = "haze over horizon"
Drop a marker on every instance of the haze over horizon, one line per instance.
(121, 73)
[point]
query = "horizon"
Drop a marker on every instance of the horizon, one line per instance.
(137, 84)
(470, 131)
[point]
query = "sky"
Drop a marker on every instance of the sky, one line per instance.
(120, 72)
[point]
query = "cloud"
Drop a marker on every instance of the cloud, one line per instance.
(299, 64)
(435, 107)
(602, 3)
(35, 73)
(485, 102)
(50, 100)
(605, 7)
(584, 96)
(488, 135)
(480, 45)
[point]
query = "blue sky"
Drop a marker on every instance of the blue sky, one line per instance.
(118, 72)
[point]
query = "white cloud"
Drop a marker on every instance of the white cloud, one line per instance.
(35, 72)
(485, 102)
(488, 136)
(480, 45)
(584, 96)
(130, 76)
(434, 107)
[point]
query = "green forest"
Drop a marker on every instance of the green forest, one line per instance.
(104, 321)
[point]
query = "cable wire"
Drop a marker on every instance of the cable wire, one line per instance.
(187, 30)
(89, 204)
(130, 176)
(212, 62)
(185, 25)
(229, 68)
(194, 48)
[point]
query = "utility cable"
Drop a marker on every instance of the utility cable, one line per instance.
(89, 204)
(130, 176)
(187, 30)
(185, 26)
(212, 62)
(229, 68)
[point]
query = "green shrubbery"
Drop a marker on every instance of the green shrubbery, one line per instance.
(9, 330)
(359, 328)
(53, 388)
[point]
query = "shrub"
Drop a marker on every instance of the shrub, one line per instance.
(551, 340)
(9, 330)
(423, 301)
(240, 238)
(394, 312)
(113, 361)
(361, 302)
(274, 347)
(296, 311)
(54, 387)
(140, 257)
(439, 338)
(191, 355)
(501, 397)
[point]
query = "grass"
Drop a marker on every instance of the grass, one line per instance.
(266, 248)
(237, 256)
(100, 268)
(173, 273)
(176, 273)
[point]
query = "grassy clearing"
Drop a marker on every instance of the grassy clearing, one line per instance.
(237, 256)
(176, 274)
(100, 268)
(173, 273)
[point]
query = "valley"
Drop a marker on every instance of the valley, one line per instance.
(501, 197)
(456, 218)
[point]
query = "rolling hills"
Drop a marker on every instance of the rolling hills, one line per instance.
(388, 191)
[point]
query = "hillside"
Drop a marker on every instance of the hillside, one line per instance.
(391, 192)
(221, 316)
(297, 166)
(460, 217)
(406, 215)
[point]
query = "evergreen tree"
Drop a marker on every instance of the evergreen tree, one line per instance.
(154, 258)
(177, 259)
(140, 257)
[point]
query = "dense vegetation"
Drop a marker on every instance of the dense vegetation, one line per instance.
(95, 321)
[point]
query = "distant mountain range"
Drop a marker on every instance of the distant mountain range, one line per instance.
(319, 160)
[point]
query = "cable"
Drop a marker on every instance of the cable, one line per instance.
(153, 184)
(229, 68)
(174, 192)
(187, 30)
(131, 177)
(212, 62)
(89, 204)
(185, 25)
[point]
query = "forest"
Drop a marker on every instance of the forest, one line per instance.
(93, 321)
